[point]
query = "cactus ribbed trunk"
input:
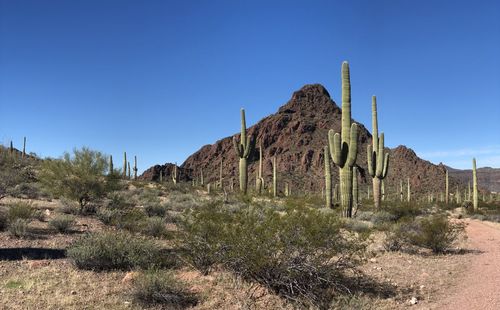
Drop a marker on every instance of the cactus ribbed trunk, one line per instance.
(275, 177)
(220, 174)
(124, 165)
(344, 146)
(259, 181)
(243, 151)
(135, 167)
(355, 190)
(328, 179)
(24, 148)
(111, 164)
(243, 175)
(474, 185)
(376, 192)
(409, 191)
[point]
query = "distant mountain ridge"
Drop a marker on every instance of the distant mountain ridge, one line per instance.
(296, 135)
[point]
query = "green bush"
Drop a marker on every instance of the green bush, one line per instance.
(19, 228)
(3, 220)
(82, 177)
(108, 216)
(160, 288)
(132, 220)
(21, 210)
(62, 223)
(68, 206)
(436, 233)
(381, 218)
(115, 250)
(155, 227)
(403, 210)
(289, 253)
(155, 209)
(120, 201)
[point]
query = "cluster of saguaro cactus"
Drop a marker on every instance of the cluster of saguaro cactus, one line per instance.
(243, 150)
(474, 185)
(328, 178)
(344, 146)
(378, 159)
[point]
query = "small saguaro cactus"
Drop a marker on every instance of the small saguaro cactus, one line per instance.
(221, 185)
(174, 174)
(202, 182)
(368, 192)
(287, 189)
(409, 191)
(161, 176)
(124, 165)
(135, 167)
(243, 150)
(474, 185)
(11, 149)
(128, 171)
(111, 168)
(378, 159)
(208, 188)
(328, 178)
(24, 148)
(275, 178)
(344, 146)
(447, 188)
(259, 181)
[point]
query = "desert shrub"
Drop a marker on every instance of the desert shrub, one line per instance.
(28, 190)
(364, 215)
(120, 200)
(19, 228)
(160, 288)
(132, 220)
(15, 171)
(108, 216)
(402, 210)
(289, 253)
(155, 209)
(68, 206)
(358, 226)
(181, 202)
(39, 215)
(149, 196)
(62, 223)
(155, 227)
(382, 218)
(3, 219)
(115, 250)
(20, 210)
(436, 233)
(81, 177)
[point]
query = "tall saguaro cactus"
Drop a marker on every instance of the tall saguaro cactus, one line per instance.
(328, 179)
(243, 150)
(447, 188)
(344, 146)
(24, 148)
(124, 165)
(409, 191)
(220, 173)
(174, 174)
(275, 178)
(474, 185)
(378, 159)
(135, 167)
(259, 182)
(111, 164)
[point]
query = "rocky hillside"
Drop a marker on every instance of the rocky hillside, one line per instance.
(296, 135)
(487, 178)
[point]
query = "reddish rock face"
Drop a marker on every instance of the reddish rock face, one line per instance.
(296, 135)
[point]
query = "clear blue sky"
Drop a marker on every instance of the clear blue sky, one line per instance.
(160, 79)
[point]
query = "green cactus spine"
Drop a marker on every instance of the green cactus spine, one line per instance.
(243, 150)
(328, 179)
(344, 146)
(378, 159)
(111, 168)
(447, 187)
(474, 185)
(124, 165)
(275, 178)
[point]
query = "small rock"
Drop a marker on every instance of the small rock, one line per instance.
(73, 292)
(373, 260)
(422, 287)
(47, 212)
(413, 301)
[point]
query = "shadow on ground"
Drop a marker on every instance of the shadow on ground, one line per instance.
(31, 253)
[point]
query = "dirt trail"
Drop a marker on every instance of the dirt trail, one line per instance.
(480, 286)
